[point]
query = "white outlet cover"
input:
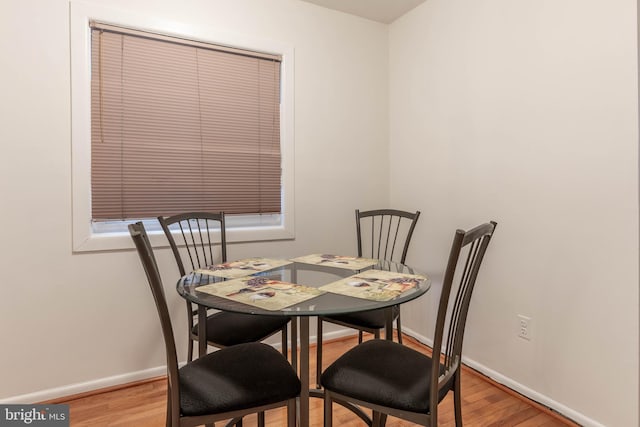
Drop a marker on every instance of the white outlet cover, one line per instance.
(525, 325)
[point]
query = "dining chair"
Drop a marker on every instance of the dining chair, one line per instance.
(381, 234)
(226, 384)
(197, 232)
(391, 379)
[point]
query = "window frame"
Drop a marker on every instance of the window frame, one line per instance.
(245, 228)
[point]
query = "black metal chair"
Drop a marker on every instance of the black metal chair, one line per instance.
(391, 379)
(198, 234)
(385, 234)
(226, 384)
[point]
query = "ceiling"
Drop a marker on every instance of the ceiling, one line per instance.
(385, 11)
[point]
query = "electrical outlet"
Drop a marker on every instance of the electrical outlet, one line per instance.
(524, 327)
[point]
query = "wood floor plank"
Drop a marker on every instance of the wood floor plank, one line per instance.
(484, 403)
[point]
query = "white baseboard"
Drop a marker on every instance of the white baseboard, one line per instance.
(340, 333)
(72, 389)
(517, 387)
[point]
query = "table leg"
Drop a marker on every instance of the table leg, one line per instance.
(304, 371)
(202, 330)
(389, 323)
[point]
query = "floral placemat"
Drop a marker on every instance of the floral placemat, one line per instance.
(262, 292)
(339, 261)
(243, 267)
(376, 285)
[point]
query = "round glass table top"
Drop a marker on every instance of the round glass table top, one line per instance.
(309, 275)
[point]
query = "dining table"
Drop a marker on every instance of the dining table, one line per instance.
(301, 288)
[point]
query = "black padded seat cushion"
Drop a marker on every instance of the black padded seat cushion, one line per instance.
(373, 319)
(385, 373)
(227, 329)
(238, 377)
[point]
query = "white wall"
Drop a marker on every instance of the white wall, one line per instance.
(67, 319)
(526, 113)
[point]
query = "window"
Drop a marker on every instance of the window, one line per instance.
(164, 124)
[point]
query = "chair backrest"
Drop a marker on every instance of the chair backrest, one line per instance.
(145, 252)
(198, 236)
(386, 233)
(465, 258)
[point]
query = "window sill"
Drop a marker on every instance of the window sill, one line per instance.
(120, 240)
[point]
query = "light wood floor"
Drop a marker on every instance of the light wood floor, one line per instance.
(484, 403)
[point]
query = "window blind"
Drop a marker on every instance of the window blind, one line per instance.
(181, 126)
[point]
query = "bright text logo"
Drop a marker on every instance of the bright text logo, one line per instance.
(34, 415)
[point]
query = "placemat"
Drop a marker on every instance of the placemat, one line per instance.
(261, 292)
(339, 261)
(243, 267)
(376, 285)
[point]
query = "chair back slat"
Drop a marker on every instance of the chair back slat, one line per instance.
(395, 236)
(145, 252)
(388, 233)
(458, 305)
(465, 259)
(197, 235)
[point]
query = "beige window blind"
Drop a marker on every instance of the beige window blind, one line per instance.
(181, 126)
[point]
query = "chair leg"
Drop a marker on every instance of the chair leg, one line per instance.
(261, 419)
(328, 410)
(457, 400)
(294, 344)
(375, 419)
(383, 420)
(291, 413)
(169, 417)
(399, 328)
(190, 350)
(359, 337)
(319, 354)
(378, 419)
(285, 339)
(376, 334)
